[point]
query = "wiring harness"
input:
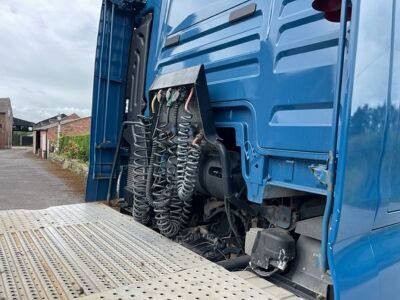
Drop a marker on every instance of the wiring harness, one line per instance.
(166, 158)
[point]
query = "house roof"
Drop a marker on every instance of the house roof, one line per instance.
(5, 105)
(20, 122)
(65, 120)
(73, 116)
(48, 121)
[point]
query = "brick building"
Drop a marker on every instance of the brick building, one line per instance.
(46, 133)
(6, 123)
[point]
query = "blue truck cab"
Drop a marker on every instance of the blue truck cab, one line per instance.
(267, 130)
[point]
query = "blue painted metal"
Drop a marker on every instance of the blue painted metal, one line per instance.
(364, 240)
(281, 131)
(115, 31)
(332, 160)
(272, 78)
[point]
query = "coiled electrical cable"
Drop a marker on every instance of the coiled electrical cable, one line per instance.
(165, 200)
(166, 163)
(188, 185)
(182, 148)
(188, 159)
(141, 134)
(159, 165)
(169, 210)
(154, 148)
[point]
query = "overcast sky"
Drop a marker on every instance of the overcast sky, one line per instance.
(47, 51)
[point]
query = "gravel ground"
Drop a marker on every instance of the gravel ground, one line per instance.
(27, 182)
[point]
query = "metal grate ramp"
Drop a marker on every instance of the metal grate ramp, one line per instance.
(90, 250)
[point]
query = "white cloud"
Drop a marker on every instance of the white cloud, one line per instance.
(47, 51)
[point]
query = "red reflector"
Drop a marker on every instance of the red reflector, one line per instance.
(327, 5)
(334, 16)
(331, 8)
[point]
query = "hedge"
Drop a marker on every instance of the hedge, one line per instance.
(75, 147)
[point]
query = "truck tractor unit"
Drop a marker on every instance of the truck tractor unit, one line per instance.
(261, 135)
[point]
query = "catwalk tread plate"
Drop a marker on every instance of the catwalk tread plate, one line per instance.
(94, 252)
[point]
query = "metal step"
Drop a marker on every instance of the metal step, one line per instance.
(94, 252)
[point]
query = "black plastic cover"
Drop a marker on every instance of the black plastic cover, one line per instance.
(136, 77)
(273, 247)
(210, 180)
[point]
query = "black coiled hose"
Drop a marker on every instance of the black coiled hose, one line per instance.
(166, 170)
(141, 133)
(182, 149)
(188, 158)
(155, 181)
(154, 148)
(188, 185)
(168, 210)
(161, 191)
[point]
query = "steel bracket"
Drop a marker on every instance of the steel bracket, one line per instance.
(320, 172)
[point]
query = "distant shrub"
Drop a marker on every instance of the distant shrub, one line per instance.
(75, 147)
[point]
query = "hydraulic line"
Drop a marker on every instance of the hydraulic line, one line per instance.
(175, 168)
(166, 165)
(188, 159)
(116, 155)
(188, 185)
(161, 182)
(118, 188)
(168, 209)
(154, 145)
(227, 182)
(332, 164)
(159, 153)
(182, 149)
(141, 208)
(188, 101)
(153, 104)
(238, 263)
